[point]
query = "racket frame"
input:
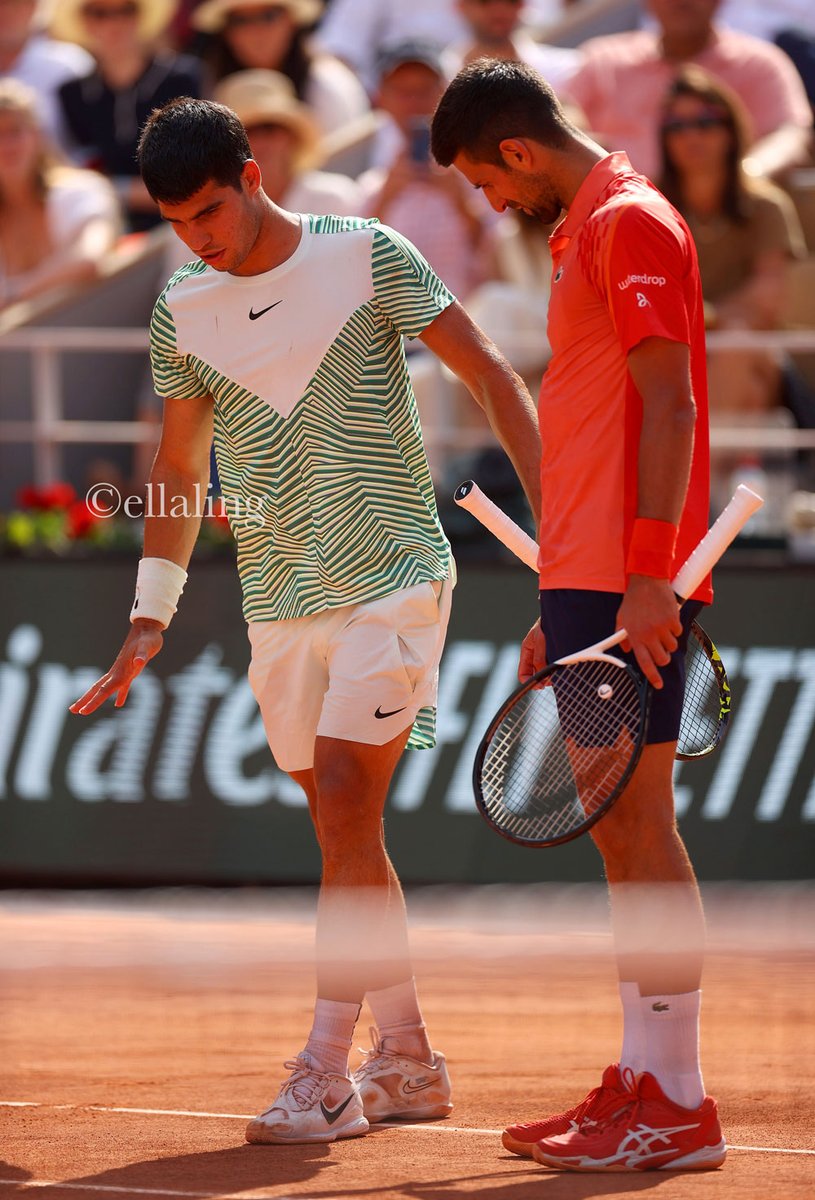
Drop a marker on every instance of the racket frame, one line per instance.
(644, 693)
(719, 672)
(733, 518)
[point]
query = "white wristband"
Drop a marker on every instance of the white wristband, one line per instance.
(159, 584)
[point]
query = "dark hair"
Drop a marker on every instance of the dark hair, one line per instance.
(695, 82)
(493, 99)
(296, 63)
(188, 143)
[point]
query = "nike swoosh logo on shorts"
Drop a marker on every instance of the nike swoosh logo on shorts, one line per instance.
(379, 713)
(332, 1114)
(253, 316)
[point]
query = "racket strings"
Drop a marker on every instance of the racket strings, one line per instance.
(699, 727)
(561, 751)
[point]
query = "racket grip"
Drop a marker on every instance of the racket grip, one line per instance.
(469, 495)
(730, 521)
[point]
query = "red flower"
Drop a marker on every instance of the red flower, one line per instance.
(57, 495)
(81, 519)
(29, 497)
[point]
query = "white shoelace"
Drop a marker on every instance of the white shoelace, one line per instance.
(306, 1085)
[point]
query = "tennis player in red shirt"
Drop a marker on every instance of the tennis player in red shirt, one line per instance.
(623, 418)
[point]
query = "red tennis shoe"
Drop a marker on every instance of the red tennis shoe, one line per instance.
(600, 1102)
(648, 1133)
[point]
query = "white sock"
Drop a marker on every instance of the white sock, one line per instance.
(399, 1019)
(672, 1045)
(331, 1034)
(632, 1054)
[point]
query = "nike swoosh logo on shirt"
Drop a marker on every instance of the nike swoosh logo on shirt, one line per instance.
(331, 1114)
(253, 316)
(379, 713)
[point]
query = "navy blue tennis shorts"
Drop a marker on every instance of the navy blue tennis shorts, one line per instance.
(572, 619)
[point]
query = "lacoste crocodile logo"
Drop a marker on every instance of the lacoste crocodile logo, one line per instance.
(660, 1007)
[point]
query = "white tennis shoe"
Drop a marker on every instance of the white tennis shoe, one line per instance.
(395, 1086)
(312, 1107)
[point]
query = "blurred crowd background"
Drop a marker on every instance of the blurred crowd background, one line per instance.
(711, 100)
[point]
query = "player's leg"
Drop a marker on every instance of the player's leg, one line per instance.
(383, 675)
(572, 620)
(362, 942)
(659, 939)
(318, 1102)
(659, 928)
(346, 790)
(352, 660)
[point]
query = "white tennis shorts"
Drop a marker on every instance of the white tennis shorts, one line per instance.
(359, 673)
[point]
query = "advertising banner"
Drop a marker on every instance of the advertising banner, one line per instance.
(179, 786)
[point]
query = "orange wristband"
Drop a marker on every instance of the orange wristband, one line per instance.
(651, 549)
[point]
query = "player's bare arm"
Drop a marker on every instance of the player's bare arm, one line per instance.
(180, 470)
(661, 372)
(468, 352)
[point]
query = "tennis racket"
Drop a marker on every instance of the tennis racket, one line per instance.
(563, 746)
(706, 705)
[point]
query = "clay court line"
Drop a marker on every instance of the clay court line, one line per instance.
(136, 1191)
(188, 1112)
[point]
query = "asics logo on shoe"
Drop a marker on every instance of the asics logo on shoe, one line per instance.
(644, 1142)
(331, 1114)
(660, 1007)
(253, 316)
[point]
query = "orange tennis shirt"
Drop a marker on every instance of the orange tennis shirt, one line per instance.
(623, 269)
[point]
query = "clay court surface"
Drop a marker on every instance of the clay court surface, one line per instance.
(139, 1032)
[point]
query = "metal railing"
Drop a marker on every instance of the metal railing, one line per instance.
(48, 429)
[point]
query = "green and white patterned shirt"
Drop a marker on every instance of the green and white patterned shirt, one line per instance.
(317, 435)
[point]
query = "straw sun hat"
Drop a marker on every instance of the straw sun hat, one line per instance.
(67, 24)
(210, 17)
(259, 97)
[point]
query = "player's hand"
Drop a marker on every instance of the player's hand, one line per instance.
(650, 614)
(142, 643)
(533, 653)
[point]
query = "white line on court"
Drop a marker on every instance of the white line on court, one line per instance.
(424, 1127)
(106, 1187)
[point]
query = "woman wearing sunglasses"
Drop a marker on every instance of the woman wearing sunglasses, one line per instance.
(105, 110)
(746, 230)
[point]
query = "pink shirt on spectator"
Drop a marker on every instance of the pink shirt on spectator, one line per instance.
(623, 80)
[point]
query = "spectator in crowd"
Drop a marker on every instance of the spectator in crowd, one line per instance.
(495, 29)
(357, 30)
(30, 57)
(285, 142)
(105, 109)
(746, 231)
(747, 234)
(426, 203)
(272, 35)
(56, 221)
(623, 78)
